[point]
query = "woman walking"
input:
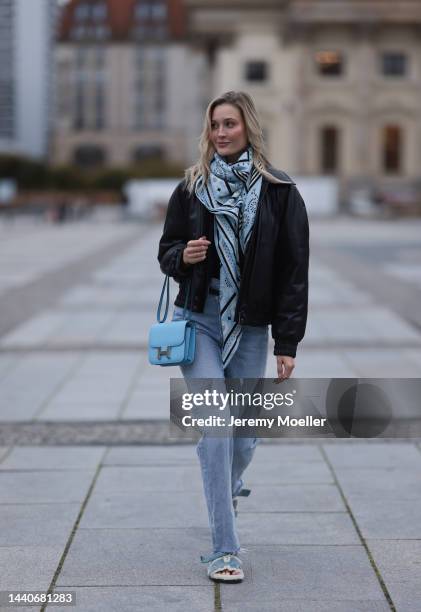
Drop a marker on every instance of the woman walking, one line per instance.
(236, 238)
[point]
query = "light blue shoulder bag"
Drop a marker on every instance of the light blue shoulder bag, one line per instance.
(172, 343)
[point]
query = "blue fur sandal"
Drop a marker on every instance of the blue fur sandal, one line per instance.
(227, 561)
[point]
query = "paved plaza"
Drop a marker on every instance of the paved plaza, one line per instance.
(331, 525)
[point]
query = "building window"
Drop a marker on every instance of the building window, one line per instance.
(329, 63)
(150, 151)
(99, 11)
(394, 64)
(150, 9)
(90, 88)
(142, 10)
(149, 93)
(64, 85)
(329, 137)
(79, 32)
(151, 18)
(99, 106)
(89, 156)
(82, 11)
(256, 71)
(96, 11)
(392, 148)
(102, 32)
(159, 10)
(79, 120)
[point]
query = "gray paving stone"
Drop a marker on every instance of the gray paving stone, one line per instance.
(337, 293)
(414, 355)
(311, 605)
(296, 528)
(389, 325)
(399, 565)
(35, 331)
(150, 598)
(154, 404)
(366, 325)
(52, 458)
(127, 327)
(89, 376)
(81, 326)
(44, 487)
(3, 452)
(42, 374)
(385, 455)
(151, 377)
(98, 297)
(125, 480)
(381, 363)
(304, 572)
(278, 454)
(121, 557)
(288, 472)
(22, 406)
(26, 568)
(382, 484)
(38, 390)
(38, 367)
(293, 498)
(7, 363)
(115, 363)
(87, 390)
(321, 364)
(152, 455)
(18, 411)
(146, 509)
(19, 608)
(37, 524)
(80, 411)
(186, 453)
(397, 519)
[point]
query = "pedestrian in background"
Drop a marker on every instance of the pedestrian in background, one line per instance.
(236, 237)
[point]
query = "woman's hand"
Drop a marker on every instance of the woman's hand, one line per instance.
(196, 250)
(285, 365)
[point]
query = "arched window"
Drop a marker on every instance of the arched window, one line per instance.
(392, 148)
(89, 156)
(329, 149)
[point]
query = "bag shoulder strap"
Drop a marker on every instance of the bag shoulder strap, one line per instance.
(166, 291)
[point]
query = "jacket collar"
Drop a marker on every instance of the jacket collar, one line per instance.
(281, 175)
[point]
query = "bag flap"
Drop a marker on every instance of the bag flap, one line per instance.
(167, 334)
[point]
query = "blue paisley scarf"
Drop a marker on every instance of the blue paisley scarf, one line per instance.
(231, 194)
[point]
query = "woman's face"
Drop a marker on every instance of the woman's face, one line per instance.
(228, 131)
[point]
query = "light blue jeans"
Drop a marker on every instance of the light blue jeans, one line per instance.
(223, 459)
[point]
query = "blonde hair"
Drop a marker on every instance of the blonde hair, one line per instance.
(245, 105)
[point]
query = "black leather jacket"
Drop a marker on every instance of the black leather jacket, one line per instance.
(274, 275)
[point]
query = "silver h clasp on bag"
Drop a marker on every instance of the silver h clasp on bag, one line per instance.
(164, 353)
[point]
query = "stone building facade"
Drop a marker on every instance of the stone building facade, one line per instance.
(128, 85)
(337, 83)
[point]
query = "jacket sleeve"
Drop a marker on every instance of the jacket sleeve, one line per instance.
(174, 238)
(291, 292)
